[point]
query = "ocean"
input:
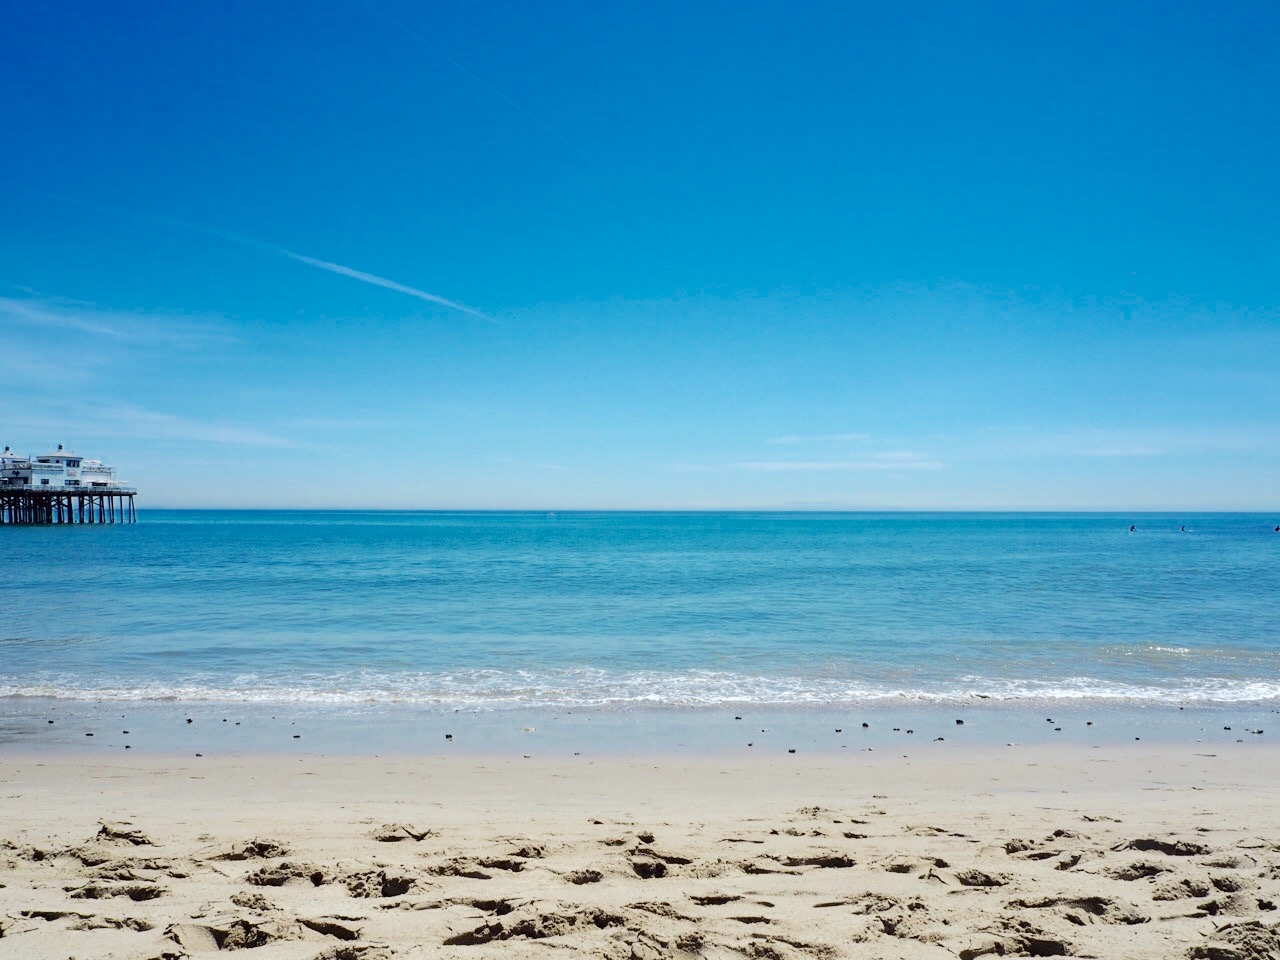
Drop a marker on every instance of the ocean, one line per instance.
(514, 618)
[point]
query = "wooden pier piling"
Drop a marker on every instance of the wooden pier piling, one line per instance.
(64, 505)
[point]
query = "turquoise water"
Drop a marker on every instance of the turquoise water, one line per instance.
(618, 611)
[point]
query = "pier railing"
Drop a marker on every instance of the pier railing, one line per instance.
(50, 488)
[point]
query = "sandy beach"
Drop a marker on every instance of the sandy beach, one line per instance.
(1121, 850)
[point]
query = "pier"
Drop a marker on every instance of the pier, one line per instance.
(35, 507)
(60, 488)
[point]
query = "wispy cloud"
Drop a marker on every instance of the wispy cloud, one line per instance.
(891, 460)
(153, 425)
(1126, 442)
(131, 422)
(49, 345)
(531, 464)
(36, 314)
(824, 438)
(120, 325)
(34, 369)
(1132, 451)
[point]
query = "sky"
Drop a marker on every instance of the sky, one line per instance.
(660, 255)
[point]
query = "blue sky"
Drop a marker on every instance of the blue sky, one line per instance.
(659, 255)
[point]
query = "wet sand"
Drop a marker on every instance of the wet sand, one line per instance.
(1121, 849)
(45, 725)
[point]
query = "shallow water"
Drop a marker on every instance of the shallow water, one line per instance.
(617, 611)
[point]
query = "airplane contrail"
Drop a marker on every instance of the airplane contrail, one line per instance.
(338, 268)
(380, 282)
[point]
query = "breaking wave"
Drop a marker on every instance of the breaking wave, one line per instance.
(586, 687)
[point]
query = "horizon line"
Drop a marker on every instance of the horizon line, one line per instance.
(1148, 511)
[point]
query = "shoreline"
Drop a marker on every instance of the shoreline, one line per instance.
(104, 728)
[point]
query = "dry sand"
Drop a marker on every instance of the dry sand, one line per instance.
(1115, 851)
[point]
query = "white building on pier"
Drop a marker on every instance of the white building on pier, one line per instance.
(59, 470)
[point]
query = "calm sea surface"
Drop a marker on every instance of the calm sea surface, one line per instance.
(500, 611)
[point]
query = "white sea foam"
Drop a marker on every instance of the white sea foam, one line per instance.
(568, 689)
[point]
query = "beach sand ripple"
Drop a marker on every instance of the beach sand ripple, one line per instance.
(557, 859)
